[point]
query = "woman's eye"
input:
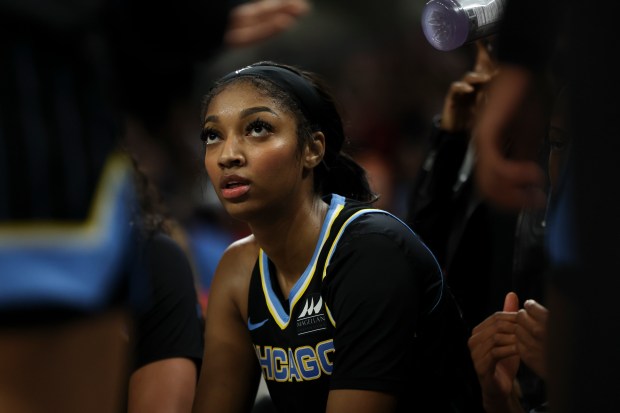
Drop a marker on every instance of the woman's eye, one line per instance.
(209, 136)
(259, 128)
(558, 139)
(557, 146)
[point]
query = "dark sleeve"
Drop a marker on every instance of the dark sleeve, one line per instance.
(373, 293)
(431, 201)
(171, 324)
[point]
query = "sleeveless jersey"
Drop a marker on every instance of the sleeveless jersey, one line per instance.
(352, 320)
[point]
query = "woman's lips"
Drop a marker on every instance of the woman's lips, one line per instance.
(235, 192)
(232, 187)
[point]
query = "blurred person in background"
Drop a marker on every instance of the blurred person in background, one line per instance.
(472, 239)
(166, 331)
(509, 348)
(71, 75)
(583, 224)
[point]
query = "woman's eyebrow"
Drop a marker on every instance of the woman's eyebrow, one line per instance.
(244, 113)
(210, 118)
(256, 109)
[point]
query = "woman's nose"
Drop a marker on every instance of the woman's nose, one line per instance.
(231, 154)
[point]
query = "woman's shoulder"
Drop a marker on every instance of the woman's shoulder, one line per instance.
(232, 277)
(367, 219)
(242, 253)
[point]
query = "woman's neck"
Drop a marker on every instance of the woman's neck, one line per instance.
(290, 240)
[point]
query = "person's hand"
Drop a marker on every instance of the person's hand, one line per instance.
(465, 96)
(493, 348)
(508, 135)
(259, 20)
(531, 335)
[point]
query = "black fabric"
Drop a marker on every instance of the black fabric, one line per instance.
(392, 329)
(170, 324)
(431, 200)
(584, 225)
(433, 371)
(69, 72)
(473, 241)
(57, 121)
(590, 381)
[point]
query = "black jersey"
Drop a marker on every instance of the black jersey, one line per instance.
(355, 317)
(69, 76)
(170, 324)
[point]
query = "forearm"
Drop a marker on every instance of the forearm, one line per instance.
(510, 404)
(163, 386)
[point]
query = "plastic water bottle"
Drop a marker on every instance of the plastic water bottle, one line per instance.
(448, 24)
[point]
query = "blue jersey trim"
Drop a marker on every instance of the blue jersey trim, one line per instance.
(73, 265)
(273, 303)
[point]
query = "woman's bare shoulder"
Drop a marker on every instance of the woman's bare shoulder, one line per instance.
(233, 273)
(241, 253)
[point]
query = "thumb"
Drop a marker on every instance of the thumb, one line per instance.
(511, 302)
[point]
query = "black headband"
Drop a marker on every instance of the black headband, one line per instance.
(311, 104)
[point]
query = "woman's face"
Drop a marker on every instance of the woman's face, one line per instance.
(252, 155)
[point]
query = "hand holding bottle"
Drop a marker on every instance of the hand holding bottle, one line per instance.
(464, 97)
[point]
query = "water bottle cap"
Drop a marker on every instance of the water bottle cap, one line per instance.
(445, 24)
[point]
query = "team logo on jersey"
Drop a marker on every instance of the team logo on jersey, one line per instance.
(312, 316)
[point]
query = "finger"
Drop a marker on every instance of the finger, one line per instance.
(503, 352)
(461, 87)
(476, 78)
(496, 339)
(524, 336)
(511, 302)
(251, 13)
(532, 352)
(482, 344)
(260, 31)
(536, 310)
(256, 21)
(531, 326)
(485, 355)
(484, 61)
(494, 319)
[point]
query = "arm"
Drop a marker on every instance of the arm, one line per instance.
(361, 310)
(432, 201)
(362, 401)
(163, 386)
(507, 137)
(168, 334)
(230, 373)
(373, 296)
(255, 21)
(496, 360)
(514, 115)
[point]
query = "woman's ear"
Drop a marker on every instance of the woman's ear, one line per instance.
(314, 151)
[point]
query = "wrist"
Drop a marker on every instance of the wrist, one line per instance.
(509, 404)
